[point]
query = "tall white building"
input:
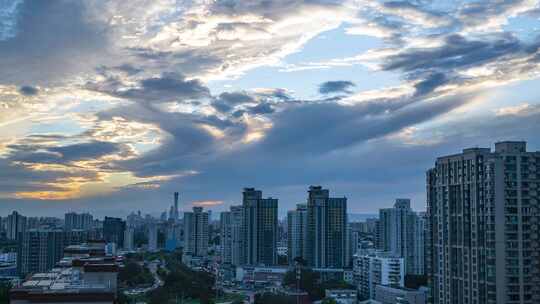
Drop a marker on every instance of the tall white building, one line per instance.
(375, 268)
(231, 235)
(296, 233)
(196, 232)
(484, 216)
(401, 233)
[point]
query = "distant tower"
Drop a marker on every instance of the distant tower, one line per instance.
(176, 214)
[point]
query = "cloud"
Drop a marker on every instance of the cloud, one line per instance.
(207, 203)
(262, 108)
(28, 90)
(226, 101)
(168, 87)
(69, 44)
(524, 109)
(130, 81)
(489, 16)
(340, 86)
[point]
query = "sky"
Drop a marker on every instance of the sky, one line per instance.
(111, 106)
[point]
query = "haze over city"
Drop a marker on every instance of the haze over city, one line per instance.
(111, 106)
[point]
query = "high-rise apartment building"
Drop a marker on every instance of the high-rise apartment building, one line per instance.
(196, 232)
(39, 250)
(129, 239)
(16, 223)
(231, 236)
(484, 214)
(225, 223)
(76, 221)
(113, 230)
(260, 228)
(152, 237)
(296, 233)
(326, 234)
(401, 232)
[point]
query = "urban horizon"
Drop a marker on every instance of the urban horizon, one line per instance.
(220, 205)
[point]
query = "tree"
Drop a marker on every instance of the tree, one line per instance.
(309, 282)
(158, 296)
(270, 298)
(122, 298)
(4, 292)
(133, 274)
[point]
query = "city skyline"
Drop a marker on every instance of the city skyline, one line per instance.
(112, 106)
(477, 242)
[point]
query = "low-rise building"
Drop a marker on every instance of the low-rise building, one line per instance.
(400, 295)
(342, 296)
(253, 274)
(77, 278)
(377, 268)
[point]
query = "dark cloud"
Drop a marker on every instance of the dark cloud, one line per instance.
(226, 101)
(262, 108)
(86, 151)
(324, 127)
(185, 142)
(169, 87)
(53, 40)
(39, 153)
(456, 52)
(339, 86)
(16, 177)
(28, 90)
(431, 82)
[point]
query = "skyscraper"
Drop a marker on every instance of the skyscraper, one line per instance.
(82, 221)
(113, 230)
(152, 237)
(196, 233)
(260, 228)
(174, 213)
(401, 232)
(129, 242)
(39, 250)
(225, 222)
(296, 233)
(484, 211)
(326, 235)
(16, 223)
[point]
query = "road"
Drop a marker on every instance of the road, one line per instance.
(153, 267)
